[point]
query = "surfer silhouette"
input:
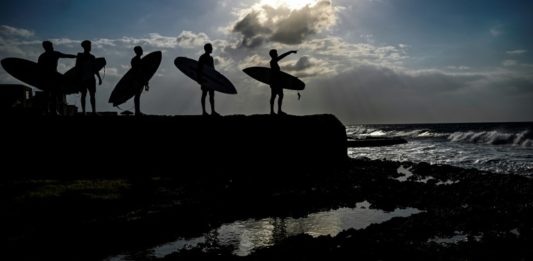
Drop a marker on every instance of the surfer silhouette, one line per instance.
(275, 85)
(49, 76)
(86, 64)
(136, 65)
(206, 60)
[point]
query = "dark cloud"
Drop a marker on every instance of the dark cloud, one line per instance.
(254, 42)
(372, 94)
(285, 26)
(302, 64)
(307, 67)
(250, 26)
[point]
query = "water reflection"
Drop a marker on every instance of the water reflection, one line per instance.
(246, 236)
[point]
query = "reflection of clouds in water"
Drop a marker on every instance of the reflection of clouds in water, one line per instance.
(246, 236)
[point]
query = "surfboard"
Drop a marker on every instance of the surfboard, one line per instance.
(71, 82)
(25, 71)
(130, 83)
(213, 79)
(287, 81)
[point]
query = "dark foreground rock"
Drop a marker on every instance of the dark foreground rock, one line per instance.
(122, 146)
(85, 210)
(90, 219)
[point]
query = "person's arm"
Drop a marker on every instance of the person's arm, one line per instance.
(99, 78)
(285, 55)
(62, 55)
(77, 62)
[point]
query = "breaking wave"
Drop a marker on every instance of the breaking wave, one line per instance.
(523, 139)
(361, 131)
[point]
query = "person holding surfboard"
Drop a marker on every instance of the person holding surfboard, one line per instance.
(206, 60)
(48, 74)
(86, 64)
(136, 65)
(275, 85)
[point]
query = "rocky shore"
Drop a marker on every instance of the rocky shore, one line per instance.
(465, 214)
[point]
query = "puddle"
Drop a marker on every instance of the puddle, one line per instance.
(406, 174)
(246, 236)
(458, 238)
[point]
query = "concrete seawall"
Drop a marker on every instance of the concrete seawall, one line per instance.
(109, 146)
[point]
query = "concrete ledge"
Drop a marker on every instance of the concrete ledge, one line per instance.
(121, 146)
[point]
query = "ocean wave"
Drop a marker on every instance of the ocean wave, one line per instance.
(522, 139)
(361, 131)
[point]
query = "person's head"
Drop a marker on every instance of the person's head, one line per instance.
(138, 50)
(208, 48)
(86, 45)
(273, 53)
(48, 46)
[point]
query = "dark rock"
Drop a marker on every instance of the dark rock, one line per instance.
(118, 146)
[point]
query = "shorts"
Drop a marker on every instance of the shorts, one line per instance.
(276, 90)
(88, 85)
(206, 89)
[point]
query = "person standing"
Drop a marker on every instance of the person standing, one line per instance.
(49, 76)
(275, 85)
(206, 60)
(86, 64)
(136, 65)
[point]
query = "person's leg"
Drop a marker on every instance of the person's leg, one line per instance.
(60, 104)
(92, 93)
(212, 101)
(272, 99)
(53, 103)
(280, 101)
(204, 95)
(83, 97)
(137, 102)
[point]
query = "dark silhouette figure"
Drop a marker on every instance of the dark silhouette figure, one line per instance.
(86, 64)
(275, 85)
(206, 60)
(136, 65)
(49, 76)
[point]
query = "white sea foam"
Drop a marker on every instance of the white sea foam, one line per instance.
(493, 138)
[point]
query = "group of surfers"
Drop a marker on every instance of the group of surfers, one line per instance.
(87, 70)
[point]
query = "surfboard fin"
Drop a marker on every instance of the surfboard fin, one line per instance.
(299, 96)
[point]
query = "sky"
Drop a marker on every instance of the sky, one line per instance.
(366, 61)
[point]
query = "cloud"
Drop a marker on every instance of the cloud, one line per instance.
(283, 25)
(496, 31)
(188, 39)
(112, 71)
(103, 43)
(509, 63)
(345, 54)
(12, 31)
(516, 52)
(254, 60)
(373, 94)
(307, 67)
(459, 68)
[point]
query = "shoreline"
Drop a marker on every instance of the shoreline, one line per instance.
(85, 206)
(126, 216)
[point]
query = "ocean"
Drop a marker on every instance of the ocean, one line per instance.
(505, 148)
